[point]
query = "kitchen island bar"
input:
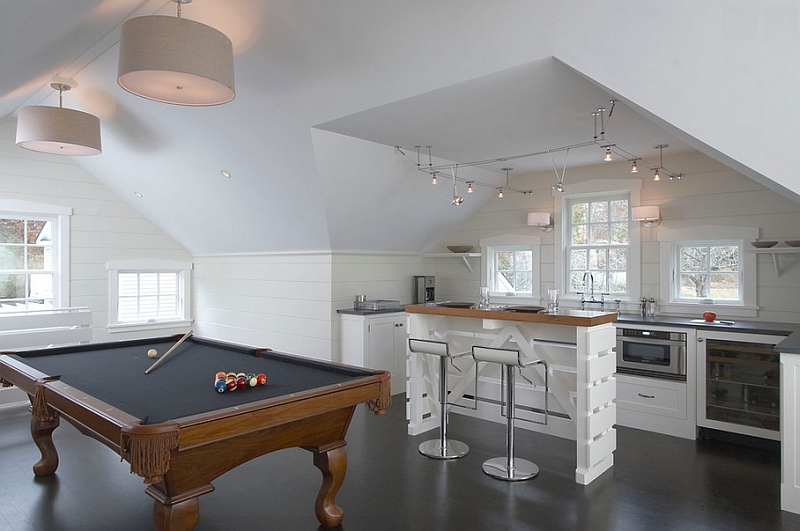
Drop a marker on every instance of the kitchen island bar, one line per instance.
(577, 346)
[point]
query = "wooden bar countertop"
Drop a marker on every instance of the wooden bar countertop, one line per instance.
(562, 317)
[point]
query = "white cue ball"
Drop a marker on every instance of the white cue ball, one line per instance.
(152, 353)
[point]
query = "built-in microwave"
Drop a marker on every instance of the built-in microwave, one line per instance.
(653, 353)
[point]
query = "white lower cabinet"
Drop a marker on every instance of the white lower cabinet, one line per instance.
(377, 342)
(657, 405)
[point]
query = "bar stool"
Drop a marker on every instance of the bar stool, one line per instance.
(508, 468)
(441, 448)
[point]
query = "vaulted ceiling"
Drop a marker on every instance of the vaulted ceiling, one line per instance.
(325, 90)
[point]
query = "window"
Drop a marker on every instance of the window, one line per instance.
(598, 245)
(512, 271)
(148, 294)
(708, 271)
(706, 266)
(32, 263)
(510, 267)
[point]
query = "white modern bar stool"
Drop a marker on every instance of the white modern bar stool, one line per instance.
(509, 468)
(441, 448)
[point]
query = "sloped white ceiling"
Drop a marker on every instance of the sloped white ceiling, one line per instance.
(474, 79)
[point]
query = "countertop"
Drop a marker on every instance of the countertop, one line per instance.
(790, 345)
(561, 317)
(351, 311)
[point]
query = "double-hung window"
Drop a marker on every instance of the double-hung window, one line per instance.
(34, 268)
(598, 245)
(148, 294)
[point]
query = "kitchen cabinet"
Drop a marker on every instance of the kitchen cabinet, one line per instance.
(739, 384)
(660, 404)
(657, 405)
(376, 341)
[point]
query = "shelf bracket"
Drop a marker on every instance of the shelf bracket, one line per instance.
(775, 263)
(466, 263)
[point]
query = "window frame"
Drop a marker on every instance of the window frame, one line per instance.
(520, 242)
(709, 235)
(182, 269)
(596, 188)
(60, 217)
(675, 295)
(569, 246)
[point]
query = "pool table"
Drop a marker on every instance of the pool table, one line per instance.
(176, 431)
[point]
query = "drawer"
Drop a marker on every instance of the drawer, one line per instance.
(652, 396)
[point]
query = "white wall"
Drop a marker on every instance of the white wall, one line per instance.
(102, 226)
(280, 301)
(710, 194)
(288, 301)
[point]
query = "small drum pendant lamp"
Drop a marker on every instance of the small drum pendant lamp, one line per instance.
(58, 130)
(175, 60)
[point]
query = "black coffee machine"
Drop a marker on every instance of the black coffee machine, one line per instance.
(424, 289)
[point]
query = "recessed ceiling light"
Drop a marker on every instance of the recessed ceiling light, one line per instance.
(226, 174)
(137, 194)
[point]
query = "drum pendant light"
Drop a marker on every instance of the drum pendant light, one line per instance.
(58, 130)
(175, 60)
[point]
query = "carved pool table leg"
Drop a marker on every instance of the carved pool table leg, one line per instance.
(42, 432)
(333, 465)
(177, 517)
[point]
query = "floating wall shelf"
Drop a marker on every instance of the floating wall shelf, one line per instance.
(452, 255)
(775, 251)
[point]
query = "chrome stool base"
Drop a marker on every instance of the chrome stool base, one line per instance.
(451, 450)
(497, 468)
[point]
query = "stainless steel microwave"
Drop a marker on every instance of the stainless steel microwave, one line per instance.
(653, 353)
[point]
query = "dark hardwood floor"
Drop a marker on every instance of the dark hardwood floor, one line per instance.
(658, 483)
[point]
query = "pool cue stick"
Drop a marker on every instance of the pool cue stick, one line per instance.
(176, 345)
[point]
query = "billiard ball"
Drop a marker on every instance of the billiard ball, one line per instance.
(221, 374)
(152, 353)
(220, 386)
(261, 378)
(252, 381)
(241, 383)
(231, 385)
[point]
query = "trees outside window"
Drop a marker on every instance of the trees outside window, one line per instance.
(599, 244)
(708, 271)
(27, 267)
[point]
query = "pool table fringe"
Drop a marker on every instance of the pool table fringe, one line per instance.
(149, 453)
(384, 400)
(41, 411)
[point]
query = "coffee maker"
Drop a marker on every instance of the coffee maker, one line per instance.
(424, 289)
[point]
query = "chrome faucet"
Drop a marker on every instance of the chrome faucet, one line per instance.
(591, 285)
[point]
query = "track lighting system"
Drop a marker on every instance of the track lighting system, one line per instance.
(601, 119)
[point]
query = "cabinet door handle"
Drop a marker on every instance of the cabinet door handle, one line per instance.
(398, 324)
(646, 396)
(699, 339)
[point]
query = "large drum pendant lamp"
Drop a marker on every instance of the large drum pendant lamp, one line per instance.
(58, 130)
(175, 60)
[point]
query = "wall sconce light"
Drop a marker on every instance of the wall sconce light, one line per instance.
(541, 220)
(650, 216)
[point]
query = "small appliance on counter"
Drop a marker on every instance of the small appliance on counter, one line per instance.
(361, 303)
(424, 289)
